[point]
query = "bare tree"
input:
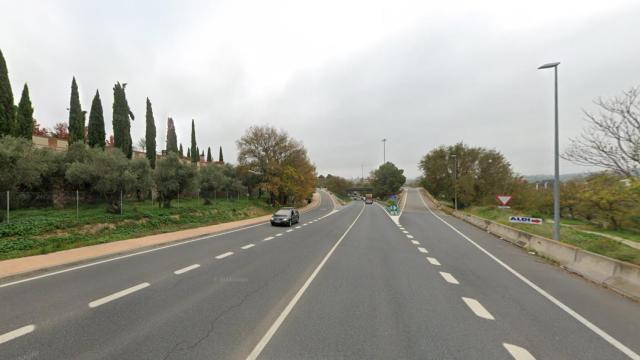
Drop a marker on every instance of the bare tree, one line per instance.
(612, 140)
(142, 144)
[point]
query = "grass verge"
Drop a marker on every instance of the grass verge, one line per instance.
(41, 231)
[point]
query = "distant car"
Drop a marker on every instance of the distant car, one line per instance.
(285, 216)
(369, 199)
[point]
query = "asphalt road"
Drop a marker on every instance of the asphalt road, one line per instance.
(347, 283)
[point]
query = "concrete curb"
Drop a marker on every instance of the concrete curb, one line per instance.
(39, 263)
(617, 275)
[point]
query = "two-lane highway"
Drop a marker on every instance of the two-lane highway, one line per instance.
(344, 284)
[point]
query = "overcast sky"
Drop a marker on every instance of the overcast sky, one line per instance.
(337, 75)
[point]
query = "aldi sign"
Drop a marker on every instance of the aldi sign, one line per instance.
(525, 220)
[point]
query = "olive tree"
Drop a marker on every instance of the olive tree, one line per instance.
(172, 177)
(212, 179)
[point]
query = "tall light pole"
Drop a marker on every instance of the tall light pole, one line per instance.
(556, 155)
(384, 151)
(455, 181)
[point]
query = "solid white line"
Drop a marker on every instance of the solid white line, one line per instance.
(117, 295)
(274, 327)
(410, 236)
(222, 256)
(279, 234)
(449, 278)
(268, 238)
(16, 333)
(433, 261)
(185, 269)
(247, 247)
(610, 339)
(423, 250)
(290, 230)
(518, 352)
(477, 308)
(415, 242)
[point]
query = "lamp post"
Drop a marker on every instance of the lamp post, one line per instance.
(455, 181)
(556, 155)
(384, 151)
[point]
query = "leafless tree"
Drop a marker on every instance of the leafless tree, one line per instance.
(612, 140)
(142, 144)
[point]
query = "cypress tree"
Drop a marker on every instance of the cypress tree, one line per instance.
(96, 131)
(209, 154)
(150, 136)
(122, 117)
(24, 117)
(181, 151)
(194, 149)
(172, 138)
(7, 112)
(189, 153)
(220, 158)
(76, 116)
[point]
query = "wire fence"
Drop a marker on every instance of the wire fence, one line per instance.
(22, 206)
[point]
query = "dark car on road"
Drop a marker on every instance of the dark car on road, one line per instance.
(285, 216)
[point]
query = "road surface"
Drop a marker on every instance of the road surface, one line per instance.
(346, 283)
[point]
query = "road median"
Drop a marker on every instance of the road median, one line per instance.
(30, 264)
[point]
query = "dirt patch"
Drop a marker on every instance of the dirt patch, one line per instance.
(96, 228)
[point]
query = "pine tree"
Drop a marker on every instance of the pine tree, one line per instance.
(7, 113)
(122, 117)
(24, 117)
(96, 123)
(209, 154)
(181, 151)
(220, 158)
(150, 136)
(189, 153)
(194, 149)
(172, 139)
(76, 116)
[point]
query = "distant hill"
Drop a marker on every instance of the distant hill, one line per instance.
(563, 177)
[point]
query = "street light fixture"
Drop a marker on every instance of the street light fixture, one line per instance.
(556, 181)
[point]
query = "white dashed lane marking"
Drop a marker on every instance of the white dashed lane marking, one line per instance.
(422, 250)
(449, 278)
(290, 230)
(410, 236)
(518, 352)
(222, 256)
(267, 239)
(433, 261)
(117, 295)
(185, 269)
(247, 247)
(279, 234)
(16, 333)
(405, 231)
(477, 308)
(298, 227)
(415, 242)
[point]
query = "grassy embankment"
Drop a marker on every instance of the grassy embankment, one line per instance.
(569, 233)
(45, 230)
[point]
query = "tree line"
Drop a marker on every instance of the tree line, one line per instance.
(386, 180)
(476, 175)
(270, 162)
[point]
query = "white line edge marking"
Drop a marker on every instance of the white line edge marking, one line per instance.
(274, 327)
(222, 256)
(518, 353)
(433, 261)
(16, 333)
(185, 269)
(279, 234)
(415, 242)
(290, 230)
(268, 238)
(477, 308)
(410, 236)
(423, 250)
(610, 339)
(298, 227)
(178, 243)
(247, 246)
(449, 278)
(117, 295)
(405, 231)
